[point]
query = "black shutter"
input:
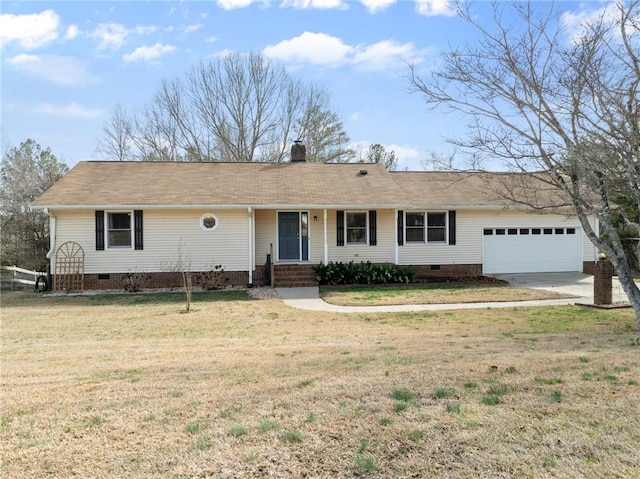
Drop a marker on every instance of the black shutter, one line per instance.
(373, 237)
(452, 227)
(400, 227)
(340, 228)
(137, 229)
(99, 230)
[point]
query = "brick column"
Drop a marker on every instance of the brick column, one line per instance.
(602, 282)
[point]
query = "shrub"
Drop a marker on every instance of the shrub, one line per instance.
(212, 279)
(135, 281)
(362, 273)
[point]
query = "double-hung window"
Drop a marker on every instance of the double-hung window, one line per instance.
(436, 227)
(415, 227)
(356, 228)
(119, 230)
(421, 227)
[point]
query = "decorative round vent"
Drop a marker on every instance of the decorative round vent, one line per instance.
(208, 222)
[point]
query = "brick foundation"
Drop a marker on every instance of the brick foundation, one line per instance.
(448, 270)
(116, 281)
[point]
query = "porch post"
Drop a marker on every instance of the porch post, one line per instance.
(326, 244)
(251, 244)
(395, 229)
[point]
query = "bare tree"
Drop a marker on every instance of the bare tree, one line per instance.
(322, 131)
(27, 171)
(542, 98)
(116, 143)
(237, 108)
(181, 265)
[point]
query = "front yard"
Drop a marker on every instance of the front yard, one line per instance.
(129, 386)
(394, 294)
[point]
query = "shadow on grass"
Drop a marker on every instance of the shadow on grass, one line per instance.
(103, 299)
(167, 297)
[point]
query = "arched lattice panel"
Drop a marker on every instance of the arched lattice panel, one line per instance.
(69, 267)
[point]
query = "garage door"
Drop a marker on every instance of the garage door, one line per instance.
(532, 250)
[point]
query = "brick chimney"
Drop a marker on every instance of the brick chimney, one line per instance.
(298, 152)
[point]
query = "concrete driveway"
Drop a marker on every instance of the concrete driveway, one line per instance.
(575, 284)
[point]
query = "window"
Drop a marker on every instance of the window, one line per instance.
(208, 222)
(559, 231)
(436, 227)
(487, 232)
(547, 231)
(524, 231)
(500, 231)
(571, 231)
(535, 231)
(512, 231)
(119, 230)
(356, 228)
(415, 227)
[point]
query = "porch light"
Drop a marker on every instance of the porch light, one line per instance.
(602, 255)
(315, 218)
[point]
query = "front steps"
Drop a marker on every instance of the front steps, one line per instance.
(293, 276)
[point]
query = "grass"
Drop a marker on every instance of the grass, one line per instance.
(378, 295)
(252, 388)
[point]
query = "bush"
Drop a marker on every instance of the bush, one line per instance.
(362, 273)
(212, 279)
(135, 281)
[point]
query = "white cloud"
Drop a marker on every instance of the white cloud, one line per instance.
(432, 8)
(72, 32)
(310, 47)
(328, 51)
(29, 31)
(110, 35)
(146, 53)
(192, 28)
(318, 4)
(221, 53)
(232, 4)
(384, 54)
(61, 70)
(211, 39)
(575, 21)
(72, 109)
(375, 6)
(144, 29)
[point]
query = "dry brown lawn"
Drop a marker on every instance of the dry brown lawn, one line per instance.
(130, 387)
(439, 294)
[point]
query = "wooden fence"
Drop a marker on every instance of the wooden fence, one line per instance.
(15, 278)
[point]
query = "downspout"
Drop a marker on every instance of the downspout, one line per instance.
(251, 244)
(52, 243)
(326, 244)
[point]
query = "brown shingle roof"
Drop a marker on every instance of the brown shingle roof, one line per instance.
(106, 184)
(449, 190)
(174, 184)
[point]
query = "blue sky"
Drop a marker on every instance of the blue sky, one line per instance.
(66, 65)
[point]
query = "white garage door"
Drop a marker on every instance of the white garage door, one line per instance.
(532, 250)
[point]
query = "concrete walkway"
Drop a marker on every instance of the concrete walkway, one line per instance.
(579, 285)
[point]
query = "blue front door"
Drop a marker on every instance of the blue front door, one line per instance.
(289, 235)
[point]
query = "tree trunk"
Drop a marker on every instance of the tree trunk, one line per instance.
(629, 286)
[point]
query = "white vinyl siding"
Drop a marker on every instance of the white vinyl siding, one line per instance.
(469, 237)
(382, 252)
(164, 232)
